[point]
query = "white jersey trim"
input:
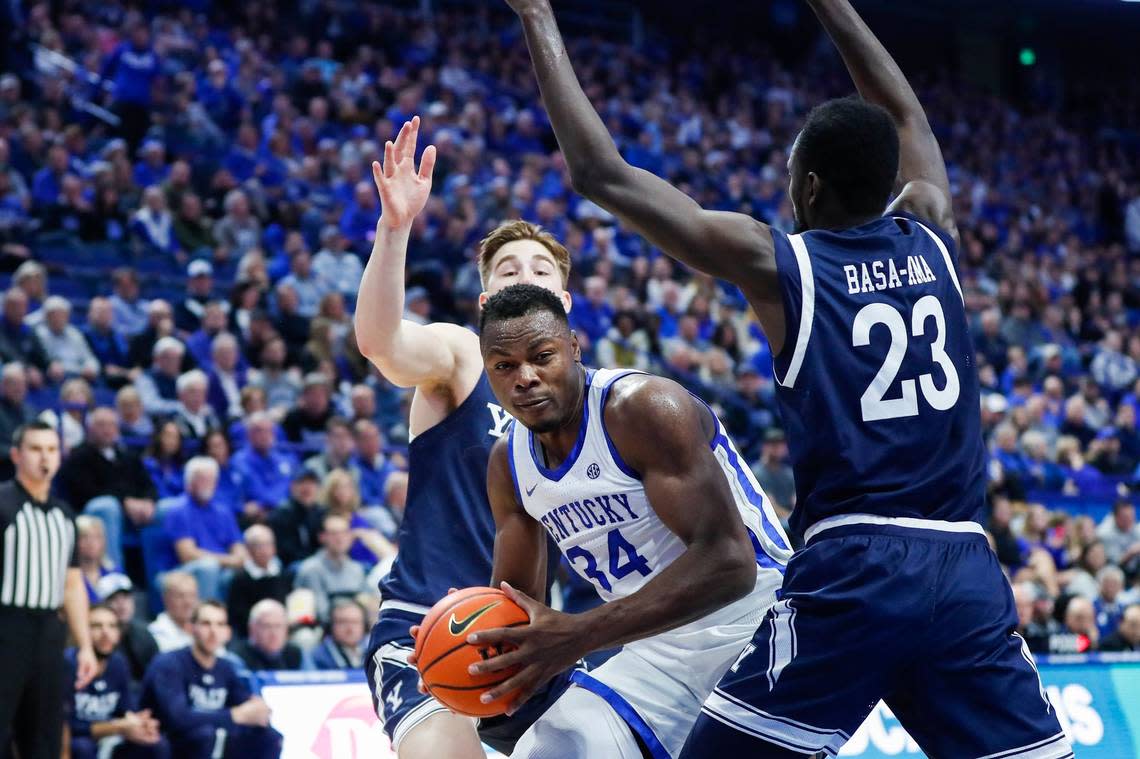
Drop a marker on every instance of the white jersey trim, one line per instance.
(908, 522)
(945, 256)
(807, 310)
(402, 606)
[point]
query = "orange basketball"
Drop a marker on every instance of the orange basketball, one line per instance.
(443, 653)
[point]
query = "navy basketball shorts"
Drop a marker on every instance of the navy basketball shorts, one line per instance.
(399, 703)
(921, 619)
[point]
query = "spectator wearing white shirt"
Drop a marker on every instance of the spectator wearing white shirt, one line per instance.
(1121, 535)
(130, 310)
(305, 283)
(64, 343)
(172, 629)
(337, 267)
(194, 417)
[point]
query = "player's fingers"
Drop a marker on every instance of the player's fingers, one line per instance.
(401, 140)
(523, 680)
(414, 631)
(389, 159)
(528, 604)
(497, 635)
(427, 162)
(413, 136)
(452, 590)
(378, 174)
(497, 663)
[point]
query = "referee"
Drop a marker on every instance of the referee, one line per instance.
(40, 573)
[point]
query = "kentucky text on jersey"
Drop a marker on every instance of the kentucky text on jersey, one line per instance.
(589, 513)
(862, 278)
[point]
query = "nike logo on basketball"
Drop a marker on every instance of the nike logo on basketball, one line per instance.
(457, 627)
(531, 489)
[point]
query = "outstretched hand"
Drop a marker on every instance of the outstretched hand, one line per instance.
(403, 190)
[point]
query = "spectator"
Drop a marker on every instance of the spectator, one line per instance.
(1082, 579)
(64, 344)
(774, 474)
(18, 342)
(75, 399)
(1106, 455)
(338, 451)
(331, 572)
(369, 465)
(48, 181)
(130, 311)
(199, 288)
(261, 576)
(229, 491)
(1080, 620)
(153, 225)
(158, 386)
(92, 552)
(205, 533)
(268, 647)
(343, 647)
(160, 324)
(625, 344)
(282, 385)
(338, 269)
(136, 644)
(306, 423)
(194, 692)
(107, 344)
(307, 286)
(133, 67)
(193, 231)
(342, 498)
(1121, 535)
(173, 627)
(14, 407)
(194, 416)
(239, 230)
(1127, 635)
(200, 343)
(1111, 600)
(265, 471)
(134, 424)
(358, 222)
(296, 522)
(164, 459)
(227, 377)
(1040, 472)
(100, 716)
(288, 321)
(31, 277)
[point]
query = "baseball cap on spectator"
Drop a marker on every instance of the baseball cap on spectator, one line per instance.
(109, 585)
(996, 403)
(200, 268)
(315, 378)
(774, 435)
(304, 473)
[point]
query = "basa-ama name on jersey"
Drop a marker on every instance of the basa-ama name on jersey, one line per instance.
(864, 278)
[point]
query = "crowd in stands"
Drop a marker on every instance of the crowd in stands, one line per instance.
(181, 284)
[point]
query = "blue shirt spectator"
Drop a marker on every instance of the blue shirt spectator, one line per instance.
(265, 470)
(133, 67)
(210, 524)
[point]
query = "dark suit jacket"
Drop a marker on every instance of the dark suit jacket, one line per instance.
(87, 474)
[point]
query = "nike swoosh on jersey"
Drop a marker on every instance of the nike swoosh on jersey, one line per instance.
(458, 626)
(531, 489)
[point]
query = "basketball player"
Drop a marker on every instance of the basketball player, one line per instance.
(896, 595)
(636, 481)
(447, 535)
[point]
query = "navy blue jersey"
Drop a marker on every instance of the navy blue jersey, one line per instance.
(105, 698)
(448, 532)
(184, 696)
(877, 382)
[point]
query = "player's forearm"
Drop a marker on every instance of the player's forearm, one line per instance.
(380, 303)
(874, 71)
(702, 580)
(586, 144)
(108, 728)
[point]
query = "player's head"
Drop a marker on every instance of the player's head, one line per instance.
(105, 630)
(531, 356)
(211, 627)
(843, 164)
(518, 252)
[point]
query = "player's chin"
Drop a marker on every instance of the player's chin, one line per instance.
(538, 417)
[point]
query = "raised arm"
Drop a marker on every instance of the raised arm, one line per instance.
(520, 540)
(406, 353)
(923, 184)
(731, 246)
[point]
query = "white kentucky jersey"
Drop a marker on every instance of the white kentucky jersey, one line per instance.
(594, 505)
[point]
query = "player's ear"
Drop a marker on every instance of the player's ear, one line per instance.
(483, 298)
(813, 186)
(567, 301)
(575, 348)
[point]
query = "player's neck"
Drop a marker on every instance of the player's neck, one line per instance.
(838, 220)
(207, 660)
(558, 444)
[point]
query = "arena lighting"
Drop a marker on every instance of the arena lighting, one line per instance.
(1028, 57)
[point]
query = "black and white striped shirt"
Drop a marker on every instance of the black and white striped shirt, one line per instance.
(39, 544)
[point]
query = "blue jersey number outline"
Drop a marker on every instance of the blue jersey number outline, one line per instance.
(618, 547)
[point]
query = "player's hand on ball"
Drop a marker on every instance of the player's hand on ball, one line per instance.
(403, 190)
(550, 644)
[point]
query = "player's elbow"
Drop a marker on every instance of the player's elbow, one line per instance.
(592, 178)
